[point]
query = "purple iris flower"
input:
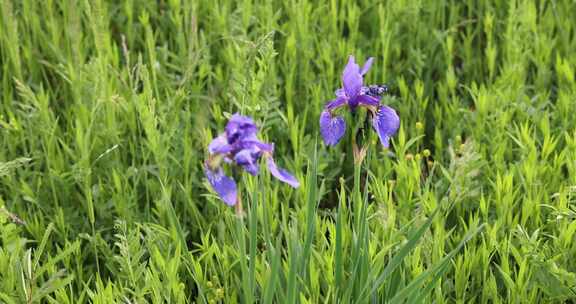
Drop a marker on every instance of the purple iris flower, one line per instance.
(240, 145)
(354, 94)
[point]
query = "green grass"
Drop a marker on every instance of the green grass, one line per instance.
(106, 109)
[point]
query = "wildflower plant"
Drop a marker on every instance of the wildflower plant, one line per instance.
(103, 105)
(240, 146)
(355, 94)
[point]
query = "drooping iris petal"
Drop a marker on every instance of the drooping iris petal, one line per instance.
(248, 159)
(351, 78)
(331, 128)
(219, 145)
(336, 103)
(386, 122)
(239, 127)
(368, 101)
(367, 66)
(281, 174)
(224, 186)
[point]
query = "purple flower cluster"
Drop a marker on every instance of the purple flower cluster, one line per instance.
(354, 94)
(239, 145)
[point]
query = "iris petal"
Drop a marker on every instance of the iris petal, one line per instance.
(367, 66)
(331, 128)
(386, 122)
(281, 174)
(219, 145)
(224, 186)
(248, 159)
(368, 101)
(240, 127)
(351, 78)
(255, 144)
(336, 103)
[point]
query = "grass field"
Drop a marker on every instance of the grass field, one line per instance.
(107, 109)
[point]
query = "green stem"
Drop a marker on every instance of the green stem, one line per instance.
(242, 256)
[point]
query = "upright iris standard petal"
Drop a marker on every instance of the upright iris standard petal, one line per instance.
(224, 186)
(367, 66)
(331, 128)
(351, 78)
(240, 127)
(386, 122)
(281, 174)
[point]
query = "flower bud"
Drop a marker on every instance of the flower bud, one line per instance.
(409, 156)
(219, 293)
(418, 157)
(426, 153)
(419, 126)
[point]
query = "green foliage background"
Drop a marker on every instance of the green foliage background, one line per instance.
(106, 108)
